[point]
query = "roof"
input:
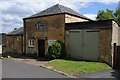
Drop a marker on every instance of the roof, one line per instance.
(106, 24)
(18, 31)
(57, 9)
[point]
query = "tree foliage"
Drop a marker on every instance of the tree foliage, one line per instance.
(116, 15)
(104, 15)
(109, 14)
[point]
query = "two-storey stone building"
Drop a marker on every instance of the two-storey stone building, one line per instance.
(47, 26)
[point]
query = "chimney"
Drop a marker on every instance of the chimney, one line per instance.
(15, 28)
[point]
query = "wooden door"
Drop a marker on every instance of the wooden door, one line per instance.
(41, 47)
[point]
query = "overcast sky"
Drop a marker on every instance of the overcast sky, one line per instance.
(12, 11)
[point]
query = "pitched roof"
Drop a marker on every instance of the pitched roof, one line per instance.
(57, 9)
(18, 31)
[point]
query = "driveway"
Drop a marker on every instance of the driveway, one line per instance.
(13, 69)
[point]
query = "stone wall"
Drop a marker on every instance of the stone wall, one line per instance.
(115, 39)
(105, 45)
(54, 30)
(115, 33)
(71, 19)
(14, 44)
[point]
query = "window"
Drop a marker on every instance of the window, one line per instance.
(41, 26)
(31, 43)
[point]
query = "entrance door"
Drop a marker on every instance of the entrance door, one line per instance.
(41, 47)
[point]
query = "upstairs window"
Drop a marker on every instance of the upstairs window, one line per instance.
(41, 26)
(31, 43)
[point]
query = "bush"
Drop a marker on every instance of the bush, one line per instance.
(5, 54)
(56, 50)
(12, 54)
(31, 55)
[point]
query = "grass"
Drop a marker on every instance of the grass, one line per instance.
(77, 67)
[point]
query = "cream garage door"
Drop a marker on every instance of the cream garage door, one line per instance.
(84, 44)
(76, 44)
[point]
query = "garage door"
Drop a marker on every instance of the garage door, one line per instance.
(84, 44)
(76, 44)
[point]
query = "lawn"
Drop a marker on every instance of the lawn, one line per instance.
(76, 67)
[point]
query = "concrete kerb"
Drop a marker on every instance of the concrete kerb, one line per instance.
(50, 68)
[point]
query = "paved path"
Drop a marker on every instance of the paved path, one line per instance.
(114, 74)
(31, 61)
(13, 69)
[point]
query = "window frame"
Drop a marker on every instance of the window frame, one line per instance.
(41, 26)
(31, 42)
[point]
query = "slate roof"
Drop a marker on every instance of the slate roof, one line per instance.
(18, 31)
(100, 24)
(57, 9)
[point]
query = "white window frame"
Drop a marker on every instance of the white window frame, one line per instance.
(31, 42)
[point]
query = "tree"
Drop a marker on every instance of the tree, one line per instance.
(108, 14)
(119, 4)
(104, 15)
(116, 15)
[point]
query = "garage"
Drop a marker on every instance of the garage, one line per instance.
(92, 41)
(84, 44)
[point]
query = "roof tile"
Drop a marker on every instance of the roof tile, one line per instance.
(56, 9)
(18, 31)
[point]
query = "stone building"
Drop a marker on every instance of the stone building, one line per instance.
(47, 26)
(92, 40)
(15, 40)
(84, 38)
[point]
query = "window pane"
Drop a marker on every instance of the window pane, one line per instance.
(31, 43)
(41, 26)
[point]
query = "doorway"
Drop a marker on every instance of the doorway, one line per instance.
(41, 47)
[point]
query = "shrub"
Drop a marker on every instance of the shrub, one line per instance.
(31, 55)
(56, 50)
(12, 54)
(5, 54)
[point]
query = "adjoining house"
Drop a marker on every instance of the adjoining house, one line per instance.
(92, 40)
(47, 26)
(15, 40)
